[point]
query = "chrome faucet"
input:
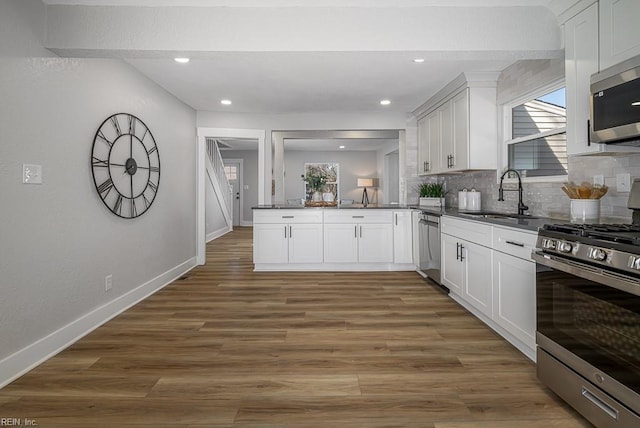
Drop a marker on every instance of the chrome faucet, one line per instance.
(521, 206)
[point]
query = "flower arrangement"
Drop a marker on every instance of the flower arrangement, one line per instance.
(315, 180)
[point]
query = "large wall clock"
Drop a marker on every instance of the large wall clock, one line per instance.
(126, 165)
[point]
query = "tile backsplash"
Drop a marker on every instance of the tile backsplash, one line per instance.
(546, 199)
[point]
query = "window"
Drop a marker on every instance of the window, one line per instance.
(536, 138)
(231, 172)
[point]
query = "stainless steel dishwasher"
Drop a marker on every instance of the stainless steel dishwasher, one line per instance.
(429, 240)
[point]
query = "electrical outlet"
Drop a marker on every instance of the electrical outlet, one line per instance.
(598, 180)
(31, 174)
(108, 282)
(623, 183)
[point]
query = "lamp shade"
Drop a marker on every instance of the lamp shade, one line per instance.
(365, 182)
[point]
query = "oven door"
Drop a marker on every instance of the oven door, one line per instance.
(589, 319)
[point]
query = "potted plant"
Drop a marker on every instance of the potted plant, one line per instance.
(431, 194)
(315, 183)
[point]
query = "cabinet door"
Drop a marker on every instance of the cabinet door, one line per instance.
(460, 111)
(424, 157)
(452, 269)
(305, 243)
(447, 149)
(402, 237)
(619, 36)
(341, 243)
(433, 125)
(515, 296)
(477, 276)
(581, 61)
(375, 243)
(270, 243)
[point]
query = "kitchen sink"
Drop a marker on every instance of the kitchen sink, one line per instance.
(494, 215)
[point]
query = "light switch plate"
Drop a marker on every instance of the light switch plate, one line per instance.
(31, 174)
(623, 183)
(598, 180)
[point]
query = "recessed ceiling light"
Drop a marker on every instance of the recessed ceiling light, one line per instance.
(385, 102)
(181, 60)
(341, 147)
(418, 60)
(635, 103)
(225, 102)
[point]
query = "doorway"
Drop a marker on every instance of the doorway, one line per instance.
(233, 169)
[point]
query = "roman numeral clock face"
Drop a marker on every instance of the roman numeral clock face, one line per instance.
(126, 165)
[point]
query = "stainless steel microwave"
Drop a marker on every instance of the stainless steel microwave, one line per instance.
(615, 104)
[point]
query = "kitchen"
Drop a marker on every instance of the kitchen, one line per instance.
(542, 198)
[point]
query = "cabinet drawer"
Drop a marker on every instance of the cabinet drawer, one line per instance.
(359, 216)
(306, 215)
(515, 242)
(472, 231)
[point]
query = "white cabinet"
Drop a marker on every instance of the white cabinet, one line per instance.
(461, 132)
(514, 275)
(402, 237)
(584, 49)
(358, 236)
(619, 36)
(581, 61)
(429, 144)
(287, 236)
(466, 255)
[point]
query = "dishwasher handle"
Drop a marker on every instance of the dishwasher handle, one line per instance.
(428, 222)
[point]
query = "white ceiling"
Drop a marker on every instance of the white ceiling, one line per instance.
(298, 81)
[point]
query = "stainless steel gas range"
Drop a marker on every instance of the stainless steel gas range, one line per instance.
(588, 316)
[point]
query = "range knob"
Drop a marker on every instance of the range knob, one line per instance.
(548, 244)
(634, 262)
(565, 247)
(597, 254)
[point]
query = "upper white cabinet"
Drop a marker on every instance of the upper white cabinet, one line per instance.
(581, 61)
(584, 57)
(619, 35)
(457, 129)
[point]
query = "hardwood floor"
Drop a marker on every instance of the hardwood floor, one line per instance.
(227, 346)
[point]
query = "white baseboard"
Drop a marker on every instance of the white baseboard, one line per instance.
(246, 223)
(333, 267)
(19, 363)
(218, 233)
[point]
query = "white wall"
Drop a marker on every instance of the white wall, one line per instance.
(58, 239)
(215, 224)
(22, 29)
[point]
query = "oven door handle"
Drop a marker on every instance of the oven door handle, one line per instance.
(611, 279)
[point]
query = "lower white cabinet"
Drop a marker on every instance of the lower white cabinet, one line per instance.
(287, 236)
(402, 237)
(488, 270)
(465, 273)
(514, 275)
(358, 243)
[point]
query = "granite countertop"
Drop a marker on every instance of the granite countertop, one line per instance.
(339, 207)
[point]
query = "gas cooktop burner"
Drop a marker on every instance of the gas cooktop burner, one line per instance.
(620, 233)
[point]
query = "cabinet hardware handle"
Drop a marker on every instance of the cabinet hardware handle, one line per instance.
(396, 219)
(457, 251)
(357, 216)
(287, 216)
(426, 166)
(355, 231)
(452, 162)
(290, 232)
(588, 132)
(285, 231)
(449, 161)
(517, 244)
(599, 403)
(361, 231)
(461, 250)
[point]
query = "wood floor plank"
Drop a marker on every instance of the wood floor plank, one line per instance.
(226, 346)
